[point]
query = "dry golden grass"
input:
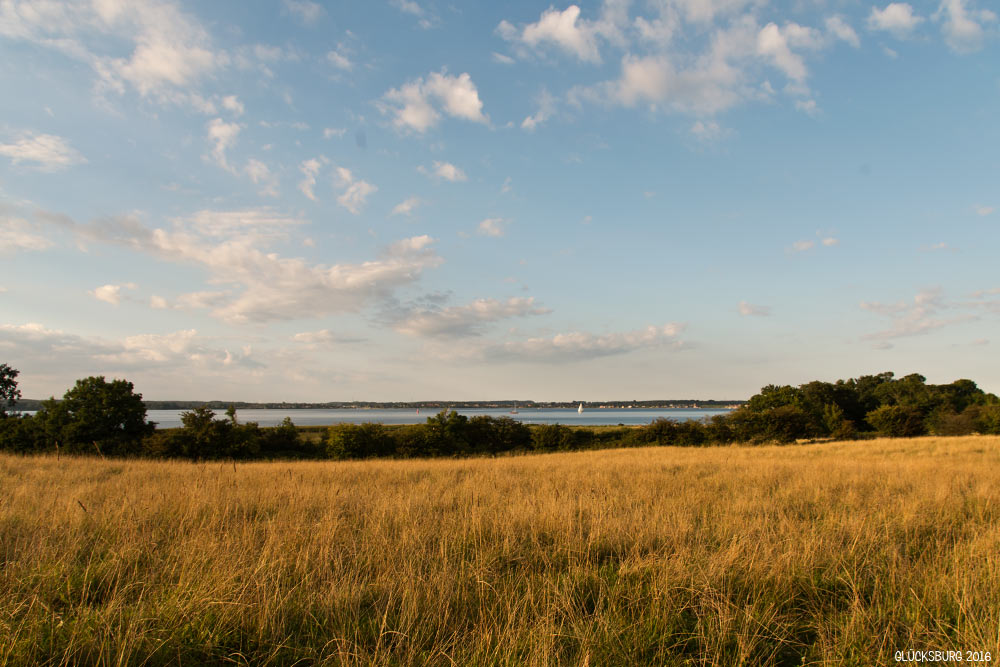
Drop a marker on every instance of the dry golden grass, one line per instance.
(840, 553)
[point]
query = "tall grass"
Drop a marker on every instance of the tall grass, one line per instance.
(840, 553)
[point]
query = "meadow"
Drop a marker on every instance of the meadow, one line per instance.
(836, 553)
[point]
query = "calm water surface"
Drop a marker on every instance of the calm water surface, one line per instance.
(568, 416)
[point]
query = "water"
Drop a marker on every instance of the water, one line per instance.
(567, 416)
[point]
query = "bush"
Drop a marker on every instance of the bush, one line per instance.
(285, 441)
(358, 441)
(492, 435)
(987, 419)
(552, 437)
(21, 434)
(947, 421)
(897, 421)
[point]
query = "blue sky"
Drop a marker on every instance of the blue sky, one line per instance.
(412, 200)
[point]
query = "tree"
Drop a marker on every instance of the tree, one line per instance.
(897, 421)
(9, 393)
(358, 441)
(447, 434)
(97, 416)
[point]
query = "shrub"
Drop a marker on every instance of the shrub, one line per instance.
(284, 441)
(552, 437)
(358, 441)
(897, 421)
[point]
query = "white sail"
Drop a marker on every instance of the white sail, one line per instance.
(580, 409)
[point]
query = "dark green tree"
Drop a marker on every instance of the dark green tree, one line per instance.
(284, 441)
(447, 434)
(897, 421)
(9, 393)
(358, 441)
(97, 416)
(552, 437)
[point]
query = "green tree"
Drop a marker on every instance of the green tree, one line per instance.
(774, 396)
(897, 421)
(447, 433)
(97, 416)
(9, 393)
(284, 441)
(552, 437)
(358, 441)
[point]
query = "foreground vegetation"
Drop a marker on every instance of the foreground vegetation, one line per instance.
(109, 418)
(836, 553)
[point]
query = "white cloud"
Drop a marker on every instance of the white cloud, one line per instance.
(411, 107)
(356, 193)
(465, 320)
(46, 152)
(233, 104)
(897, 18)
(962, 29)
(417, 104)
(807, 106)
(304, 10)
(407, 206)
(444, 170)
(56, 357)
(708, 130)
(192, 300)
(458, 95)
(836, 26)
(330, 132)
(829, 241)
(492, 227)
(339, 60)
(232, 247)
(409, 7)
(259, 222)
(705, 11)
(776, 44)
(110, 293)
(323, 337)
(169, 52)
(223, 135)
(985, 210)
(578, 346)
(562, 29)
(801, 246)
(19, 234)
(546, 107)
(913, 319)
(749, 309)
(709, 86)
(310, 168)
(568, 32)
(261, 175)
(502, 59)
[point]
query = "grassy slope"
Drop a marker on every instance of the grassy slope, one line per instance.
(838, 553)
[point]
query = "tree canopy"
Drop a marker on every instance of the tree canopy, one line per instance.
(9, 393)
(97, 416)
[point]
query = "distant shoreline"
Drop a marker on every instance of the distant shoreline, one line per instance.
(35, 404)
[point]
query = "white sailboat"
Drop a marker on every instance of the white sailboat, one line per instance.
(579, 410)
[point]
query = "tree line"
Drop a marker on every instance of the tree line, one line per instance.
(108, 418)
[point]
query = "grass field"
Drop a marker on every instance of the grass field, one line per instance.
(839, 553)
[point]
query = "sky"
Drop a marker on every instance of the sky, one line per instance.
(417, 200)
